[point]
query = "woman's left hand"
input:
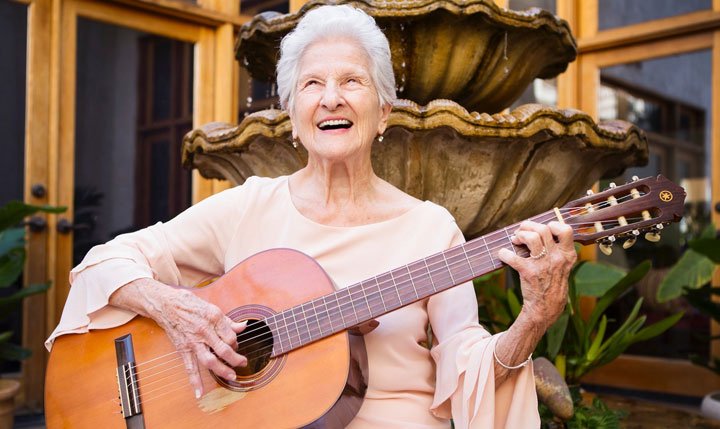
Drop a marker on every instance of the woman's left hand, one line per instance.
(544, 274)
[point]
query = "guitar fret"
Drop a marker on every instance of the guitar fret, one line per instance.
(317, 318)
(379, 292)
(274, 326)
(509, 240)
(432, 282)
(340, 309)
(301, 318)
(448, 268)
(472, 271)
(327, 314)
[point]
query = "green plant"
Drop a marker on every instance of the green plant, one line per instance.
(690, 278)
(577, 344)
(694, 268)
(12, 262)
(574, 343)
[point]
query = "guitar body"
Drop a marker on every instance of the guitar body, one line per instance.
(303, 388)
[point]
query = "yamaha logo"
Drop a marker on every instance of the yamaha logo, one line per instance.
(666, 196)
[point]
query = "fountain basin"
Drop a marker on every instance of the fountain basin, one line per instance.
(469, 51)
(487, 170)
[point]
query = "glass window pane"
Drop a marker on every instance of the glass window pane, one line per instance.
(618, 13)
(670, 99)
(132, 112)
(253, 7)
(540, 91)
(548, 5)
(13, 44)
(13, 37)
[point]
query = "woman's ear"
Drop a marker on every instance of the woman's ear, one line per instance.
(384, 116)
(292, 126)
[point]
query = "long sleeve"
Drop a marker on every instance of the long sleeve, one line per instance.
(184, 251)
(465, 369)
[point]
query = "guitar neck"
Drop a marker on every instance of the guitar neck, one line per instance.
(371, 298)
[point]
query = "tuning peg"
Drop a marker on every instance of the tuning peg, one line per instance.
(589, 192)
(612, 185)
(631, 240)
(653, 236)
(605, 245)
(605, 248)
(635, 178)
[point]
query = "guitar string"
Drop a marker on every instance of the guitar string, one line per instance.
(146, 396)
(565, 209)
(464, 261)
(372, 296)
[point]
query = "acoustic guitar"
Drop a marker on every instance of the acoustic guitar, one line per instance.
(305, 366)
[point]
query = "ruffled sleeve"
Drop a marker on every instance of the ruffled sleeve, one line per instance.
(465, 381)
(184, 251)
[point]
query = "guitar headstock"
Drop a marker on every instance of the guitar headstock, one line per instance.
(624, 212)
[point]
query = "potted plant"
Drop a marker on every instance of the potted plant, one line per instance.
(12, 262)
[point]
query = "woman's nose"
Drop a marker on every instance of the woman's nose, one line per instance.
(331, 98)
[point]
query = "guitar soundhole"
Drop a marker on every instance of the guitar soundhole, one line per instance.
(255, 343)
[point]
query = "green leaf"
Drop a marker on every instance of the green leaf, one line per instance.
(618, 289)
(657, 328)
(11, 266)
(708, 247)
(594, 279)
(555, 335)
(624, 329)
(14, 212)
(5, 336)
(595, 346)
(692, 270)
(9, 303)
(514, 303)
(11, 239)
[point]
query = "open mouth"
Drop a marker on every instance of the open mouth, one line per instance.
(335, 124)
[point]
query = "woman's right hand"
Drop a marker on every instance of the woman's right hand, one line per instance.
(200, 331)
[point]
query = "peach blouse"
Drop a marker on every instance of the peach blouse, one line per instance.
(409, 385)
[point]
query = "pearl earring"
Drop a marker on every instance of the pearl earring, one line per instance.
(380, 138)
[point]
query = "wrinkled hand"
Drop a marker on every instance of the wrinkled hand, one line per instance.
(200, 331)
(543, 275)
(197, 329)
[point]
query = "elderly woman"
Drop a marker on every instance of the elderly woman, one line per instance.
(335, 78)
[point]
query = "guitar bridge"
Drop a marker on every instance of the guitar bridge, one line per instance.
(128, 388)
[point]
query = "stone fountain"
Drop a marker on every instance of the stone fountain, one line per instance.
(458, 64)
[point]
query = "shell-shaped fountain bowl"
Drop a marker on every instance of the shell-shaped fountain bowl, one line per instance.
(469, 51)
(487, 170)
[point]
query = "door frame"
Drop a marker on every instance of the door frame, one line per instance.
(50, 129)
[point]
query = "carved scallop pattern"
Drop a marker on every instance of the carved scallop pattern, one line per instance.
(488, 170)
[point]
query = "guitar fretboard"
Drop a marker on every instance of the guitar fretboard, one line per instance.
(371, 298)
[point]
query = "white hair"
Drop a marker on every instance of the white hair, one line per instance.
(330, 22)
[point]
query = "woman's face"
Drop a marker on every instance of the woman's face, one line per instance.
(336, 113)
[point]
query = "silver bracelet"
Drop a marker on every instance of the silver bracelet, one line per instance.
(520, 365)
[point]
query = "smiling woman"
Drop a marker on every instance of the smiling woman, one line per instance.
(335, 79)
